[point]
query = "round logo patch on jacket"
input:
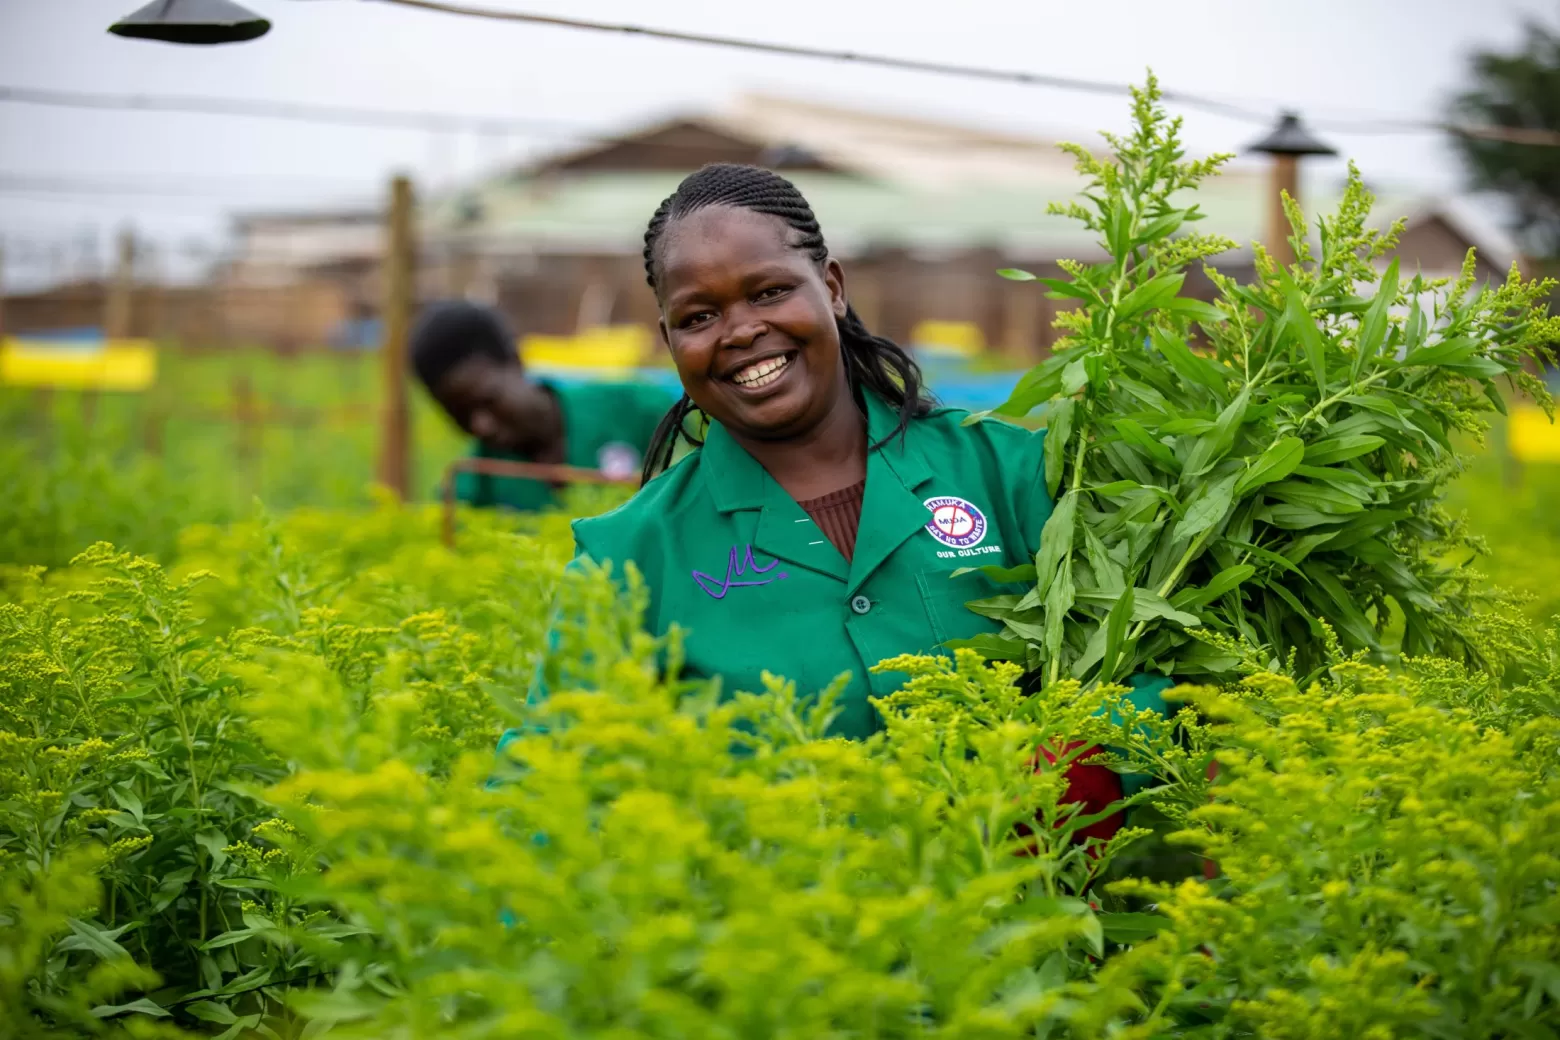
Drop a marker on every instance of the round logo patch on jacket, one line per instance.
(955, 521)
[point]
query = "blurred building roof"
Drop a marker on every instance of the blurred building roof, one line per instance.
(875, 180)
(785, 133)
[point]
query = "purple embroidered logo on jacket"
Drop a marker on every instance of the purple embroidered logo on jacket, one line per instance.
(736, 567)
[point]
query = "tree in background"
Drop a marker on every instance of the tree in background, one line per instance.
(1519, 89)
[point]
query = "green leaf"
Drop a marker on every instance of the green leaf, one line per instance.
(1128, 929)
(90, 937)
(1276, 463)
(211, 1011)
(991, 646)
(144, 1006)
(1028, 631)
(1056, 541)
(1299, 608)
(1344, 615)
(1478, 368)
(1448, 351)
(1373, 329)
(1057, 433)
(1075, 376)
(1118, 226)
(1211, 447)
(1069, 290)
(1196, 310)
(1133, 432)
(1340, 477)
(1093, 933)
(1303, 546)
(1298, 317)
(128, 800)
(996, 607)
(1227, 580)
(1058, 601)
(1340, 449)
(244, 1022)
(1034, 388)
(1206, 511)
(214, 841)
(1152, 293)
(1320, 497)
(1146, 606)
(1294, 518)
(1189, 366)
(1024, 572)
(1115, 633)
(1165, 225)
(1265, 555)
(1013, 274)
(237, 935)
(1495, 398)
(1185, 426)
(1416, 326)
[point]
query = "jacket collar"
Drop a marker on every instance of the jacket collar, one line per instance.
(891, 510)
(738, 481)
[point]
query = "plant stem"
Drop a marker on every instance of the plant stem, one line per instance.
(1328, 402)
(1175, 575)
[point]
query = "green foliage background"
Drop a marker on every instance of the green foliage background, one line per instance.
(248, 788)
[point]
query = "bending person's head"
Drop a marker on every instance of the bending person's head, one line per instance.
(755, 313)
(466, 356)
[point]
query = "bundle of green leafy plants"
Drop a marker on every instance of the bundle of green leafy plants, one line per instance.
(1253, 465)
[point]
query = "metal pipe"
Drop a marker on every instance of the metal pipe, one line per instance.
(551, 473)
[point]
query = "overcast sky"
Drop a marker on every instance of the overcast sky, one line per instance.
(1327, 58)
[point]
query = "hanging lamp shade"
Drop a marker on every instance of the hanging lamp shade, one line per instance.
(199, 22)
(1291, 137)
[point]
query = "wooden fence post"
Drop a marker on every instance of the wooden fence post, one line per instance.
(1285, 178)
(121, 290)
(399, 275)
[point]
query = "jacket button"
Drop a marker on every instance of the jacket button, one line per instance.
(860, 604)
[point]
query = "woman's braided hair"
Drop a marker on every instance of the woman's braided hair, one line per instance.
(871, 362)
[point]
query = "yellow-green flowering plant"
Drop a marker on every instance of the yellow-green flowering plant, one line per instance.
(647, 859)
(1389, 867)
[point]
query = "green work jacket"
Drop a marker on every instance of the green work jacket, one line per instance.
(730, 557)
(606, 426)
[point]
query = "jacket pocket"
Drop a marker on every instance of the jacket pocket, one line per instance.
(945, 598)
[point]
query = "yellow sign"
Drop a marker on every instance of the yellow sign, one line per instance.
(958, 337)
(120, 364)
(1531, 436)
(610, 347)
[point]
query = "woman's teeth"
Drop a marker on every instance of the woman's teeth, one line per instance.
(761, 373)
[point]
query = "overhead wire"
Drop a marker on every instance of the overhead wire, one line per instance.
(284, 110)
(1033, 79)
(491, 125)
(1513, 135)
(170, 185)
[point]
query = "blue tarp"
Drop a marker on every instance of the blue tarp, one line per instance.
(80, 335)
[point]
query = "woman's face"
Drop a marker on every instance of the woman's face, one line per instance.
(751, 323)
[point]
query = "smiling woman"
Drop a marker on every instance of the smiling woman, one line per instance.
(828, 519)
